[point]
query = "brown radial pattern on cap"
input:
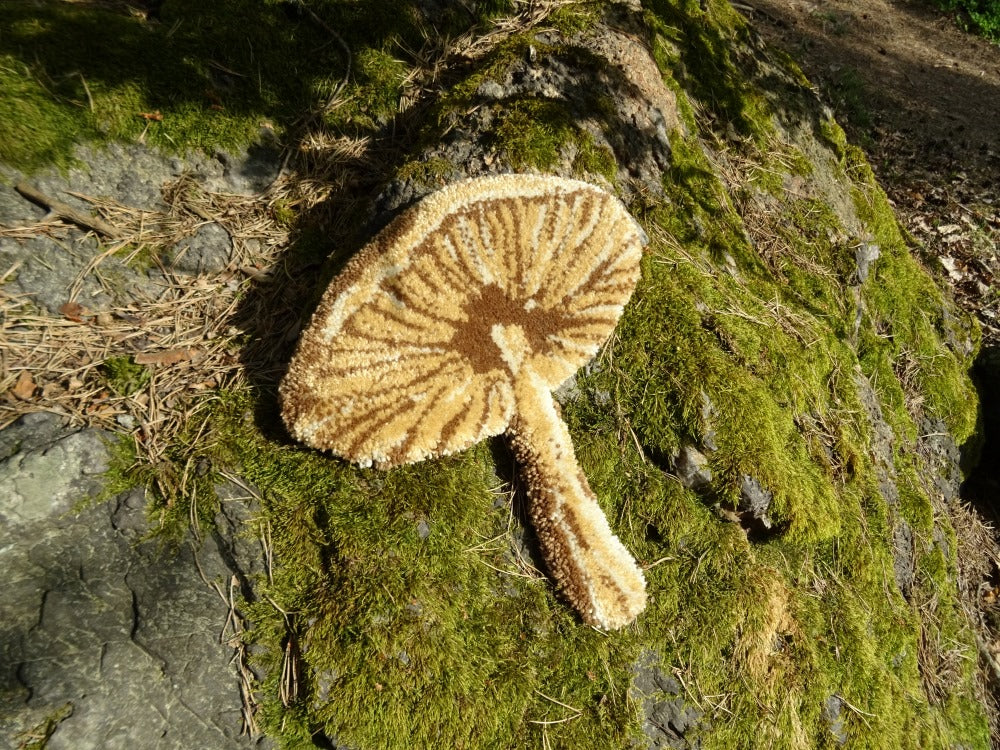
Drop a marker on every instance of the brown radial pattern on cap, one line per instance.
(453, 325)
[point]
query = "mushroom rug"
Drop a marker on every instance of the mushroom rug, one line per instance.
(454, 324)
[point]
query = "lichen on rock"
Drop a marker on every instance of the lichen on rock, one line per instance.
(107, 639)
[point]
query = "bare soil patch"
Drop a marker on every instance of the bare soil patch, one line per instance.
(922, 75)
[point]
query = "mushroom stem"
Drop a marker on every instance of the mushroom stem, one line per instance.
(589, 563)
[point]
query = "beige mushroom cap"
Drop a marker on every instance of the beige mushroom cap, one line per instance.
(454, 324)
(416, 346)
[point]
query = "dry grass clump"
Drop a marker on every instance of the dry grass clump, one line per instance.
(979, 584)
(141, 364)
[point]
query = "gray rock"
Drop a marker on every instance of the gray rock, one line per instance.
(940, 452)
(128, 173)
(14, 209)
(672, 719)
(668, 718)
(834, 719)
(882, 441)
(107, 639)
(46, 482)
(883, 437)
(134, 174)
(940, 460)
(903, 564)
(570, 390)
(649, 679)
(754, 502)
(708, 413)
(691, 468)
(245, 173)
(206, 251)
(941, 542)
(490, 90)
(236, 534)
(31, 432)
(865, 254)
(46, 267)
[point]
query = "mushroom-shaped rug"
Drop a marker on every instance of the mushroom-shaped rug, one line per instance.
(455, 324)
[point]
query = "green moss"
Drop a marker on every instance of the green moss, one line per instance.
(700, 211)
(427, 172)
(35, 130)
(102, 99)
(790, 374)
(408, 637)
(910, 319)
(835, 137)
(396, 626)
(120, 476)
(124, 376)
(373, 99)
(493, 68)
(535, 132)
(414, 638)
(210, 82)
(595, 158)
(38, 738)
(702, 47)
(532, 132)
(576, 17)
(283, 212)
(139, 257)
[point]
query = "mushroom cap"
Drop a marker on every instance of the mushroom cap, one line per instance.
(414, 348)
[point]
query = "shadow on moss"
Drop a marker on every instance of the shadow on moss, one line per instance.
(185, 74)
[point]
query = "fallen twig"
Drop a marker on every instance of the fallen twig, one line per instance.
(66, 212)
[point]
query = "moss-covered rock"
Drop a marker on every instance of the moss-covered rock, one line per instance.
(802, 591)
